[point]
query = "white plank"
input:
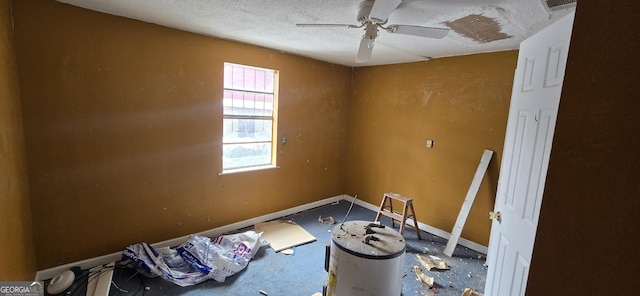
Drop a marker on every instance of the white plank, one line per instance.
(468, 202)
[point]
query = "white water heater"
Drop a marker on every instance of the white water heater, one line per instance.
(365, 259)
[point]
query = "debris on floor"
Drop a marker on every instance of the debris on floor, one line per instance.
(263, 293)
(283, 234)
(326, 220)
(198, 259)
(260, 275)
(430, 262)
(427, 280)
(289, 251)
(470, 292)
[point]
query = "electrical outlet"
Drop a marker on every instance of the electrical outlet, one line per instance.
(429, 143)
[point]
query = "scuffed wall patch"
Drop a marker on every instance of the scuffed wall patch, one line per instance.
(479, 28)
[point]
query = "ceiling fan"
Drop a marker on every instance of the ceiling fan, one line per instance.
(373, 15)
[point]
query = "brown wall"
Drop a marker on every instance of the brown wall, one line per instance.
(17, 259)
(587, 236)
(462, 104)
(114, 109)
(123, 125)
(103, 119)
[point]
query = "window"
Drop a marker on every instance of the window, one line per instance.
(249, 117)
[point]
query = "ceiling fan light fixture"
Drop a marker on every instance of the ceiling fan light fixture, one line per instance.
(371, 33)
(371, 42)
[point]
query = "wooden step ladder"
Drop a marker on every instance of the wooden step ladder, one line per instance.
(386, 209)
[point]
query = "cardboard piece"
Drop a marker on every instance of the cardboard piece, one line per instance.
(470, 292)
(425, 279)
(283, 235)
(432, 262)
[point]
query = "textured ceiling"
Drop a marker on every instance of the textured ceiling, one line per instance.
(476, 26)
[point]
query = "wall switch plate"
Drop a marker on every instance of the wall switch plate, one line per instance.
(429, 143)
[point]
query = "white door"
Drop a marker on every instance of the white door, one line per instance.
(532, 117)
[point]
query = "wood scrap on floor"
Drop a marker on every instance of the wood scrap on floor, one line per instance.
(432, 262)
(326, 220)
(470, 292)
(281, 234)
(427, 280)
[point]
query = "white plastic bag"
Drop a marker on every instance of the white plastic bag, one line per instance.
(197, 260)
(167, 264)
(221, 256)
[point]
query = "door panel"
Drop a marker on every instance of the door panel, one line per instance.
(546, 125)
(530, 127)
(500, 249)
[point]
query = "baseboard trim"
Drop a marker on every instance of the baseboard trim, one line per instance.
(428, 228)
(105, 259)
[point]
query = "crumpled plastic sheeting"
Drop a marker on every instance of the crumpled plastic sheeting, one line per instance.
(198, 259)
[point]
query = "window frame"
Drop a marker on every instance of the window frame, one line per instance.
(273, 118)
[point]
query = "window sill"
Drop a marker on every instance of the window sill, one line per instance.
(251, 169)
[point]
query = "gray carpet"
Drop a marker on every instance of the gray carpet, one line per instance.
(303, 272)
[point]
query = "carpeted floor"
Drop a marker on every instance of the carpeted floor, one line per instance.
(302, 273)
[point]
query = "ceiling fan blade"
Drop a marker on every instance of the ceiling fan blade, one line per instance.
(365, 50)
(328, 25)
(429, 32)
(382, 9)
